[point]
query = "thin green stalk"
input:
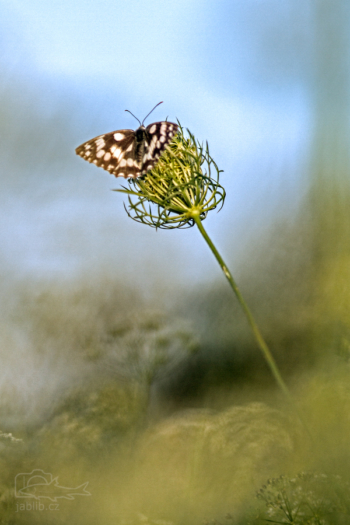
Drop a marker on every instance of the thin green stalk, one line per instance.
(257, 334)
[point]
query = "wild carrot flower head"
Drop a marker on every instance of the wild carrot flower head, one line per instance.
(183, 185)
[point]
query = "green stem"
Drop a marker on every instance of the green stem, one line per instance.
(257, 334)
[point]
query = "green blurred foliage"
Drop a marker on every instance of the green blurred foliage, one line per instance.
(94, 374)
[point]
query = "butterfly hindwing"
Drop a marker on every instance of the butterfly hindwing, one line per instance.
(159, 136)
(127, 153)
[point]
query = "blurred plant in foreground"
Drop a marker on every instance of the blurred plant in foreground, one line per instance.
(137, 350)
(179, 193)
(145, 349)
(148, 347)
(307, 499)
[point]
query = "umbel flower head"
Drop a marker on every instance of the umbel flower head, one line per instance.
(182, 188)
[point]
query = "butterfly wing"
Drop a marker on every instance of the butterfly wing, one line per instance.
(113, 152)
(158, 136)
(127, 153)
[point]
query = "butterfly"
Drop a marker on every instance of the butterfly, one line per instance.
(128, 153)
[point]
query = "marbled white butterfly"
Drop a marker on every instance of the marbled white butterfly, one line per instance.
(128, 153)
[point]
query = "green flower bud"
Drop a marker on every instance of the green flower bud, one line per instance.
(183, 185)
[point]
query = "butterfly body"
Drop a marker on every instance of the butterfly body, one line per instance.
(142, 137)
(128, 153)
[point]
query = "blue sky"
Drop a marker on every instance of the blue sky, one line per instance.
(233, 72)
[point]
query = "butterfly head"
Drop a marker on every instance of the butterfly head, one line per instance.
(140, 133)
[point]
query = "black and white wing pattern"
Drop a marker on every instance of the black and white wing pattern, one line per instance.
(128, 153)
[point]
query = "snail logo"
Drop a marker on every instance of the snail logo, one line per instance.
(39, 485)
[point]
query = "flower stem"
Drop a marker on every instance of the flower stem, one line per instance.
(257, 334)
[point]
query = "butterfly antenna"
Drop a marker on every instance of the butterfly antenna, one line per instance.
(151, 112)
(134, 116)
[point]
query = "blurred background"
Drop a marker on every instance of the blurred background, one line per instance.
(108, 325)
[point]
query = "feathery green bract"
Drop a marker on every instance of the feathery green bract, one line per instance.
(184, 182)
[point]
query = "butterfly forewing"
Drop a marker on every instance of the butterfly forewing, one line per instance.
(111, 152)
(127, 153)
